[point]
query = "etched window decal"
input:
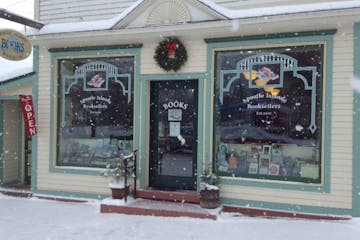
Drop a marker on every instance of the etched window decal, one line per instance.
(268, 112)
(95, 102)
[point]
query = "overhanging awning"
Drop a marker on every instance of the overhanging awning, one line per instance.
(20, 19)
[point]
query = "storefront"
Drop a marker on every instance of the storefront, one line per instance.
(16, 147)
(265, 109)
(17, 114)
(269, 109)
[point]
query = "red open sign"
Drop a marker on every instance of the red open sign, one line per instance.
(28, 114)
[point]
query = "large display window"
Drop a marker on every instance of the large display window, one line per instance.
(95, 121)
(268, 116)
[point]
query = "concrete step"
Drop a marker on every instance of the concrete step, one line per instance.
(16, 192)
(149, 207)
(172, 196)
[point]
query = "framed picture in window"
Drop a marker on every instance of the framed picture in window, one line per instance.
(264, 163)
(267, 149)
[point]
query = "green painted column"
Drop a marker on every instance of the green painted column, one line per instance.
(1, 141)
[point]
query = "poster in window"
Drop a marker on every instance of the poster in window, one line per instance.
(174, 129)
(174, 115)
(253, 168)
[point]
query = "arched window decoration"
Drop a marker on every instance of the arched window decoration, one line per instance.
(268, 113)
(260, 66)
(95, 102)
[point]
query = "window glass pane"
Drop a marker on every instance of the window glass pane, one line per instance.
(268, 113)
(95, 110)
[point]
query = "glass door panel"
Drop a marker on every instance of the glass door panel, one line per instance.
(173, 134)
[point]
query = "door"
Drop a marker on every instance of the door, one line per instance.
(27, 180)
(173, 134)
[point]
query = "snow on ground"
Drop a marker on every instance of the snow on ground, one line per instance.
(41, 219)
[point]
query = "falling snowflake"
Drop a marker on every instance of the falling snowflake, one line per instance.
(299, 128)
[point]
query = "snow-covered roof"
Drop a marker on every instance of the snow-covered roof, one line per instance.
(11, 69)
(227, 13)
(281, 10)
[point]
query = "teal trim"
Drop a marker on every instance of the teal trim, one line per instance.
(34, 141)
(96, 48)
(16, 82)
(83, 53)
(58, 194)
(327, 105)
(1, 142)
(142, 101)
(20, 143)
(272, 36)
(137, 140)
(145, 83)
(286, 207)
(302, 38)
(356, 127)
(17, 97)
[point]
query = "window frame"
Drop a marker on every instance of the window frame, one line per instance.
(275, 40)
(132, 50)
(254, 52)
(90, 61)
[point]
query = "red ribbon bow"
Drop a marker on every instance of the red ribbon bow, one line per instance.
(171, 47)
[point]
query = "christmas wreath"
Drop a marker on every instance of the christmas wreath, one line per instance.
(170, 54)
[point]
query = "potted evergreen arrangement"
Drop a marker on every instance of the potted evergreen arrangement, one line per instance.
(209, 191)
(118, 171)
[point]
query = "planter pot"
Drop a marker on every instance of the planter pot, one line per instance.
(210, 198)
(120, 193)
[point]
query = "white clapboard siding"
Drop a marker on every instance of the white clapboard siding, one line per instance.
(261, 3)
(74, 183)
(342, 112)
(11, 143)
(54, 11)
(17, 90)
(338, 199)
(196, 63)
(61, 11)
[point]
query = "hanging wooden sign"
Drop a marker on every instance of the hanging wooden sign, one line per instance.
(14, 45)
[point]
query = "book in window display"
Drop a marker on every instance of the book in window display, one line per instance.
(221, 158)
(264, 162)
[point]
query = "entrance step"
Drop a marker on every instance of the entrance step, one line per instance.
(172, 196)
(149, 207)
(17, 191)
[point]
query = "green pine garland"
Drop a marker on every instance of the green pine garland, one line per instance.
(162, 54)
